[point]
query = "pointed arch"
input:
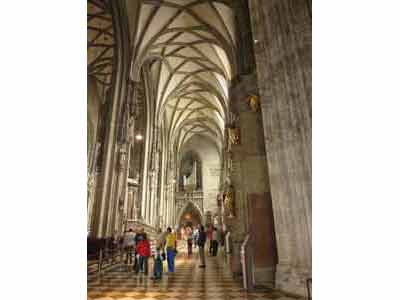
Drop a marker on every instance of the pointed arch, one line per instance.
(189, 204)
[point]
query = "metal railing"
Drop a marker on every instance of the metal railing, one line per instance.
(228, 243)
(104, 257)
(246, 262)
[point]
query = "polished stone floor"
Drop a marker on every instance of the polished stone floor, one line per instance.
(189, 282)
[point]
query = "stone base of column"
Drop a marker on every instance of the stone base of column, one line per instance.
(292, 279)
(264, 277)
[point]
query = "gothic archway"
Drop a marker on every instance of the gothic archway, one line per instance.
(189, 216)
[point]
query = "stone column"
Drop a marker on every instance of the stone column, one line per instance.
(91, 184)
(126, 138)
(130, 203)
(105, 200)
(250, 183)
(282, 31)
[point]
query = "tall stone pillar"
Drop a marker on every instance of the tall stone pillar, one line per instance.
(282, 33)
(126, 133)
(105, 187)
(250, 185)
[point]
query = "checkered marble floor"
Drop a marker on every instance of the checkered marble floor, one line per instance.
(189, 282)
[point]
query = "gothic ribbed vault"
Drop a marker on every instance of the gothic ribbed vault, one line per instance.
(190, 48)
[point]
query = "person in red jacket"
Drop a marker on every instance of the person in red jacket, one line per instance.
(144, 251)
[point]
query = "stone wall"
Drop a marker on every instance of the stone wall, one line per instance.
(282, 33)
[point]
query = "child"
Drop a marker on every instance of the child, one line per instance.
(158, 264)
(143, 249)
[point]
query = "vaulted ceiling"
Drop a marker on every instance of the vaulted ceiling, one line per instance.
(100, 44)
(189, 47)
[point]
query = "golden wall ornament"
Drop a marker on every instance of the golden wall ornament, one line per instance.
(234, 135)
(254, 102)
(229, 202)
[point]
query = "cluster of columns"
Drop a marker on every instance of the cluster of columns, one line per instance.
(114, 197)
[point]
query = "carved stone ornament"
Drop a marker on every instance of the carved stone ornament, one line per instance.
(131, 128)
(234, 135)
(121, 204)
(219, 199)
(229, 202)
(90, 182)
(122, 157)
(254, 102)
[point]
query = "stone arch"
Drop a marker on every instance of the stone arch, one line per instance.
(189, 205)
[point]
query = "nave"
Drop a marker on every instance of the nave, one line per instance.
(188, 282)
(199, 113)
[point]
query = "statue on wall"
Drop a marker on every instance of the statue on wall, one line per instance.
(233, 130)
(229, 202)
(122, 157)
(254, 102)
(234, 135)
(219, 199)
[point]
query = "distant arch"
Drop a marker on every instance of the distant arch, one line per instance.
(189, 207)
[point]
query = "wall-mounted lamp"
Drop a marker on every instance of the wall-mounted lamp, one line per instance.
(139, 137)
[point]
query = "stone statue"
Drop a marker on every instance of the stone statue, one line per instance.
(122, 157)
(90, 182)
(131, 129)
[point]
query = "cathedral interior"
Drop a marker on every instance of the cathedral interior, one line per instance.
(199, 112)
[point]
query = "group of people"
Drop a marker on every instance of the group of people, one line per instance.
(199, 237)
(138, 248)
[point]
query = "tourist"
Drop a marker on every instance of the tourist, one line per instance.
(171, 249)
(129, 245)
(201, 241)
(214, 241)
(139, 235)
(189, 242)
(196, 236)
(160, 241)
(209, 237)
(158, 264)
(143, 250)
